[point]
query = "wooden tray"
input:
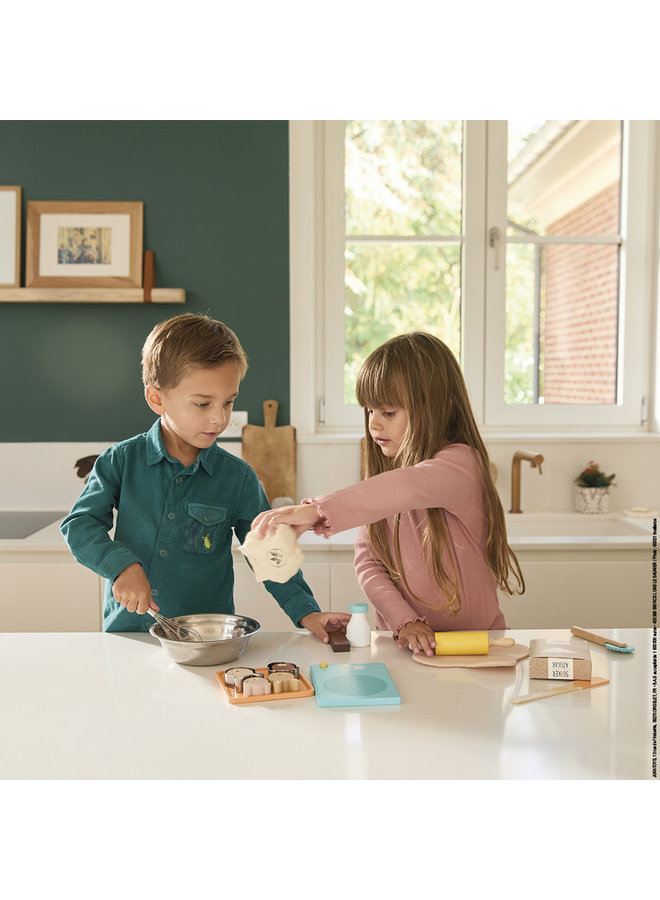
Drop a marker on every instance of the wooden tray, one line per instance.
(234, 696)
(497, 656)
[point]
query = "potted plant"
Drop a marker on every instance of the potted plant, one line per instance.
(592, 490)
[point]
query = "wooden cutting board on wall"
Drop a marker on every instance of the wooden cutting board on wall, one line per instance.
(271, 451)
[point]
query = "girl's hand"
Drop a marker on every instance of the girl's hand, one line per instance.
(132, 590)
(300, 518)
(418, 636)
(318, 622)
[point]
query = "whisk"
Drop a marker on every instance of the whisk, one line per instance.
(174, 631)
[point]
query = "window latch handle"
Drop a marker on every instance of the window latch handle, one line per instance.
(494, 242)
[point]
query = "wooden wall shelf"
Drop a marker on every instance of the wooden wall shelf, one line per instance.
(90, 295)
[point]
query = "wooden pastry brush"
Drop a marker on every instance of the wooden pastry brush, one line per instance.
(609, 643)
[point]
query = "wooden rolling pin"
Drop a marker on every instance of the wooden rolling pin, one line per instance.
(467, 643)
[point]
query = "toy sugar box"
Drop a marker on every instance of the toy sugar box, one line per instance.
(560, 660)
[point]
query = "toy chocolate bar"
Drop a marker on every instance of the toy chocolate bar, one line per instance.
(338, 641)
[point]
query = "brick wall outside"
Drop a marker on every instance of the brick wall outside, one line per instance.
(579, 329)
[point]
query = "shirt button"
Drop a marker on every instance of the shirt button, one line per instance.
(170, 516)
(154, 592)
(163, 552)
(179, 480)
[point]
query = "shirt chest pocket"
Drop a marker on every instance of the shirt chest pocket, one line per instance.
(204, 528)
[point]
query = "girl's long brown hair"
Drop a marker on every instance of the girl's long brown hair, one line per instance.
(418, 373)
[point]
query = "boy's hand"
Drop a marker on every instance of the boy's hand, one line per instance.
(318, 622)
(418, 636)
(301, 518)
(133, 591)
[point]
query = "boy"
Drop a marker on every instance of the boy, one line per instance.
(177, 494)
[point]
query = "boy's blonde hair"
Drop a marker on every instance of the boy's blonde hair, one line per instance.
(173, 347)
(418, 373)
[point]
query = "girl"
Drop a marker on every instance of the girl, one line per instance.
(434, 549)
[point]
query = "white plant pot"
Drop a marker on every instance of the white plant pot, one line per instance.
(592, 500)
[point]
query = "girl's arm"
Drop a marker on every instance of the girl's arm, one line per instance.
(300, 518)
(451, 480)
(408, 627)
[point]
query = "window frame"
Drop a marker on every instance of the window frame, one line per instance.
(317, 265)
(635, 288)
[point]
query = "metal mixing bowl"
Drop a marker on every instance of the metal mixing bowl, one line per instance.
(224, 638)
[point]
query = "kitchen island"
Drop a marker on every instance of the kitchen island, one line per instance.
(114, 706)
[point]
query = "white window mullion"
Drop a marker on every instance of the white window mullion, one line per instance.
(473, 264)
(638, 210)
(337, 415)
(304, 261)
(495, 276)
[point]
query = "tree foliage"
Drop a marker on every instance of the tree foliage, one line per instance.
(403, 179)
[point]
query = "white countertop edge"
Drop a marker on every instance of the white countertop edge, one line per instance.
(50, 540)
(496, 436)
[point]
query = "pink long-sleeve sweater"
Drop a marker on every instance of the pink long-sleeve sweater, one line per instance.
(451, 481)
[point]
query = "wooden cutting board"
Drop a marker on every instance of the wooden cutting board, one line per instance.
(497, 656)
(271, 451)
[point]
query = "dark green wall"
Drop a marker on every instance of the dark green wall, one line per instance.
(216, 215)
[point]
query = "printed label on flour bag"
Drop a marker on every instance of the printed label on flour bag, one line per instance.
(560, 668)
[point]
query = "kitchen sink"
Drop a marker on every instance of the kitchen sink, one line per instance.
(537, 525)
(18, 524)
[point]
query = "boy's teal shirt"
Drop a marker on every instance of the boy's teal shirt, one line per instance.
(177, 523)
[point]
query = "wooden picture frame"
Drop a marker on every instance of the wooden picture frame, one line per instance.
(10, 236)
(84, 244)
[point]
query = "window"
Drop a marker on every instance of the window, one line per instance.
(562, 261)
(522, 245)
(402, 250)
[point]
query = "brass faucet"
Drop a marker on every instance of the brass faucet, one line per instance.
(535, 459)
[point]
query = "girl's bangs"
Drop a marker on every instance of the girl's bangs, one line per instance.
(377, 388)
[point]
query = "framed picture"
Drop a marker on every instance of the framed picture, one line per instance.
(83, 244)
(10, 236)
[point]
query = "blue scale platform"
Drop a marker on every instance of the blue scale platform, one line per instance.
(358, 684)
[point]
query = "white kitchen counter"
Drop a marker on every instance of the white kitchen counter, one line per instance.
(530, 531)
(45, 540)
(113, 706)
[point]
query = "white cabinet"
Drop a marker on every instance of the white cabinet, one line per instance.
(329, 573)
(592, 588)
(344, 587)
(48, 592)
(45, 589)
(252, 599)
(595, 589)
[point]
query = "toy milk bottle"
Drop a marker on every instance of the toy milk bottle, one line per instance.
(358, 630)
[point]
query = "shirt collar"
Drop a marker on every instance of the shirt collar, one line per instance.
(157, 451)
